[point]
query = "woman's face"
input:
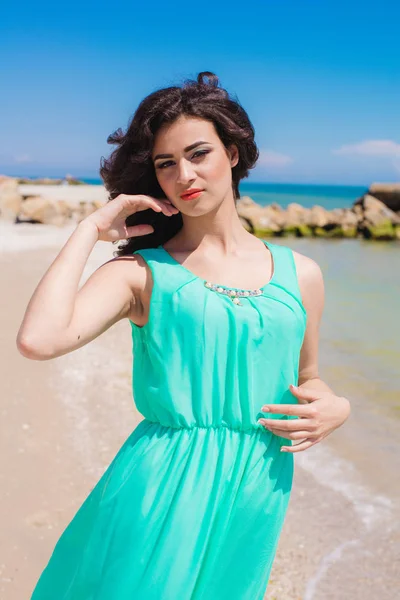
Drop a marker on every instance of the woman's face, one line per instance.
(206, 165)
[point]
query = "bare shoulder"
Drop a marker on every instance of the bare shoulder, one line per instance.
(307, 268)
(132, 268)
(310, 277)
(132, 272)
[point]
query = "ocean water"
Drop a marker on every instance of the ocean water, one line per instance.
(328, 196)
(359, 349)
(360, 331)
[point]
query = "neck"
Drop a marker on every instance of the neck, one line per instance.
(220, 229)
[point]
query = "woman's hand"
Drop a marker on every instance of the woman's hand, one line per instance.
(319, 414)
(110, 218)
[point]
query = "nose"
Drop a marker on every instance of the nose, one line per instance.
(186, 172)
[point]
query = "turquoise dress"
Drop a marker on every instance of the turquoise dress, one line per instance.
(192, 505)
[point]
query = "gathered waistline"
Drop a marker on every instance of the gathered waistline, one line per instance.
(250, 428)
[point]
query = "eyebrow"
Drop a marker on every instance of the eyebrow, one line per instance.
(185, 150)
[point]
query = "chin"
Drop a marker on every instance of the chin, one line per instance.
(196, 206)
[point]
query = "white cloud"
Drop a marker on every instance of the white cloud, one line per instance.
(269, 158)
(387, 148)
(22, 158)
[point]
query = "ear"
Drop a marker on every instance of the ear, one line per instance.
(234, 155)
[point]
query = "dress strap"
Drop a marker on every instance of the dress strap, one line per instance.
(285, 272)
(166, 277)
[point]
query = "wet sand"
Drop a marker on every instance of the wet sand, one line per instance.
(64, 420)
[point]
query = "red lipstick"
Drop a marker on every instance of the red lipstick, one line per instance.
(191, 194)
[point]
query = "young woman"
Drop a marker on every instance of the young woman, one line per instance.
(224, 326)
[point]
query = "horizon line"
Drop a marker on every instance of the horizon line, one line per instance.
(243, 182)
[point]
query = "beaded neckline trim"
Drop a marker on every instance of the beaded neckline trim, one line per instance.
(233, 293)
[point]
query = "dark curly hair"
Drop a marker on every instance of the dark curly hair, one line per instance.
(130, 170)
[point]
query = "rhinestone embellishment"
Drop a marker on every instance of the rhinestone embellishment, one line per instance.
(233, 293)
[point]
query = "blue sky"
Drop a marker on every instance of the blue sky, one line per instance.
(320, 80)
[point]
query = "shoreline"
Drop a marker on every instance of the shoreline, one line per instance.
(373, 216)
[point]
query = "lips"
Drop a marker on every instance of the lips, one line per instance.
(193, 193)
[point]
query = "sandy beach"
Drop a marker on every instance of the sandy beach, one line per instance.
(64, 420)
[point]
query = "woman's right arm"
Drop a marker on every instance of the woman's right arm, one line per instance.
(60, 317)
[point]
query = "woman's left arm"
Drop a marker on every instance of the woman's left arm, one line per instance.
(320, 410)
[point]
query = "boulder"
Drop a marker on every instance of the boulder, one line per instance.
(41, 181)
(296, 214)
(349, 222)
(377, 212)
(246, 207)
(265, 220)
(10, 199)
(81, 210)
(388, 193)
(318, 216)
(295, 220)
(42, 210)
(378, 221)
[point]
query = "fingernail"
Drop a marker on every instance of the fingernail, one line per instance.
(265, 408)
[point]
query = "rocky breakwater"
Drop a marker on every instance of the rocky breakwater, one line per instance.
(376, 215)
(52, 202)
(370, 217)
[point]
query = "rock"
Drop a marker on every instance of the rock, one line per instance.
(384, 232)
(71, 193)
(245, 201)
(42, 181)
(346, 221)
(378, 221)
(318, 216)
(350, 223)
(82, 210)
(376, 212)
(275, 213)
(10, 199)
(295, 221)
(337, 231)
(349, 218)
(265, 220)
(246, 207)
(296, 214)
(388, 193)
(269, 219)
(42, 210)
(70, 180)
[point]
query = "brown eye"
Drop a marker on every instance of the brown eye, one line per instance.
(162, 165)
(200, 152)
